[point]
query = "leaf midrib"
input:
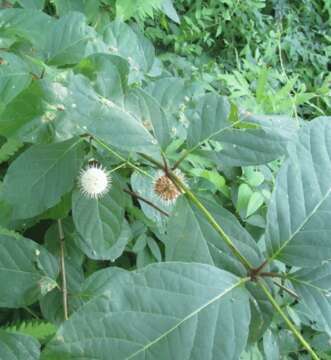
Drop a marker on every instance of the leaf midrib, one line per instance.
(296, 232)
(188, 317)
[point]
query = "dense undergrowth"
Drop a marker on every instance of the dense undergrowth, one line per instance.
(165, 179)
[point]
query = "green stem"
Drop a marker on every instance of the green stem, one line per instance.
(113, 152)
(288, 322)
(207, 214)
(187, 152)
(118, 167)
(211, 220)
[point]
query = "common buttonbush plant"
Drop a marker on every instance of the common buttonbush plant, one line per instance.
(143, 217)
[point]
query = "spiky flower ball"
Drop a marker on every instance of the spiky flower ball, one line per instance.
(164, 187)
(94, 181)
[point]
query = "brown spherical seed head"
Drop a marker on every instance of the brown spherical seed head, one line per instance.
(166, 189)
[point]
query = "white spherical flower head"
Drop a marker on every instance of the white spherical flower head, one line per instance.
(94, 181)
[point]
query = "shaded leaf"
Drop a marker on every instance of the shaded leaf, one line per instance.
(314, 289)
(24, 268)
(208, 119)
(99, 223)
(298, 220)
(18, 347)
(14, 77)
(38, 178)
(149, 312)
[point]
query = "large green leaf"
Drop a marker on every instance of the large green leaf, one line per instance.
(51, 305)
(27, 270)
(243, 147)
(185, 238)
(149, 112)
(131, 45)
(298, 221)
(190, 237)
(109, 74)
(208, 118)
(27, 117)
(68, 39)
(170, 92)
(18, 347)
(38, 178)
(314, 289)
(99, 223)
(87, 111)
(164, 311)
(28, 24)
(14, 77)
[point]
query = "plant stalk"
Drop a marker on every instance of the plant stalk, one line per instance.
(63, 271)
(289, 291)
(113, 152)
(146, 201)
(184, 189)
(288, 322)
(211, 220)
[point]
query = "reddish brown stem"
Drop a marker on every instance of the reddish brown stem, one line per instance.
(146, 201)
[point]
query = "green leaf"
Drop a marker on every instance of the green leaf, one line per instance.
(243, 147)
(40, 330)
(14, 77)
(99, 223)
(64, 6)
(125, 9)
(270, 346)
(211, 175)
(244, 195)
(149, 312)
(150, 114)
(298, 220)
(252, 353)
(51, 305)
(68, 40)
(169, 9)
(254, 203)
(132, 46)
(86, 111)
(38, 178)
(71, 250)
(170, 92)
(208, 119)
(27, 24)
(25, 268)
(109, 74)
(18, 347)
(185, 240)
(314, 289)
(9, 148)
(191, 238)
(32, 4)
(28, 117)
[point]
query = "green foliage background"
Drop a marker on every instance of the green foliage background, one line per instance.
(237, 94)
